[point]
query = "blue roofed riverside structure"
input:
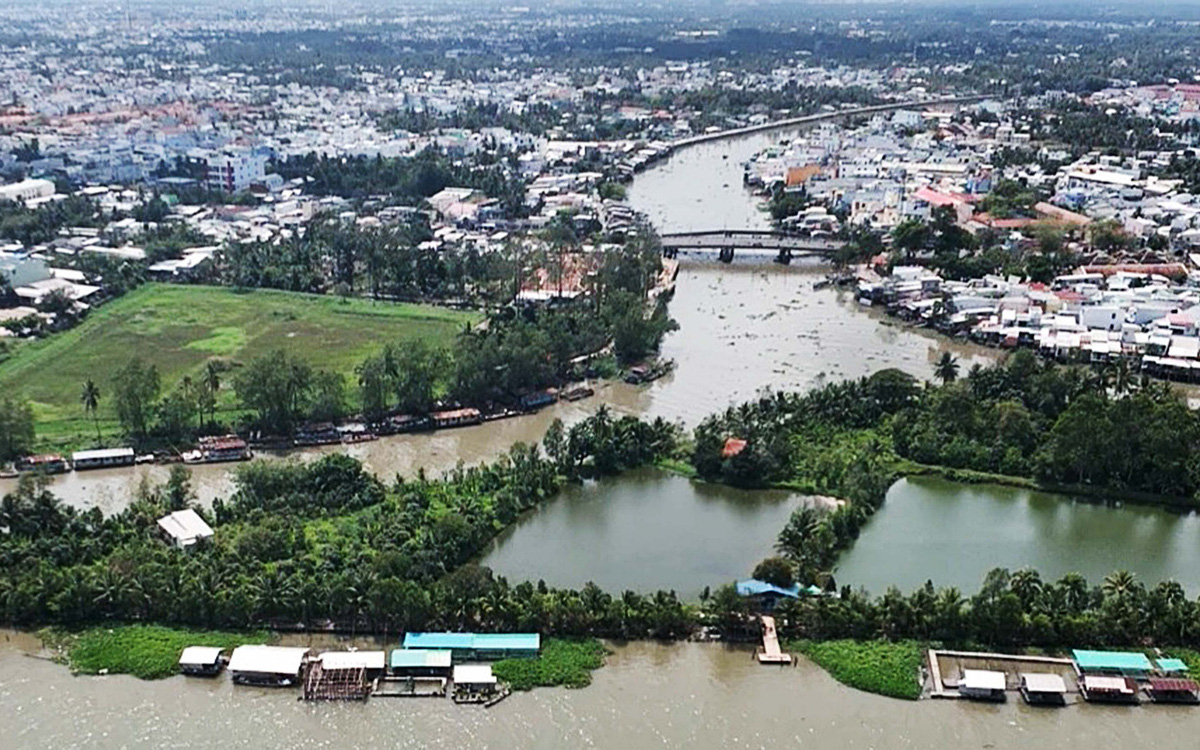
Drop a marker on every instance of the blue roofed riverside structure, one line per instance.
(1125, 663)
(1171, 665)
(420, 662)
(478, 646)
(767, 595)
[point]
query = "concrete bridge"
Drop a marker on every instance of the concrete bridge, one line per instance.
(727, 242)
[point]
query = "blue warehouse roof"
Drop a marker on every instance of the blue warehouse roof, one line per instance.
(1124, 661)
(755, 587)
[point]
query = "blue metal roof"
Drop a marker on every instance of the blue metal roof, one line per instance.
(1171, 665)
(418, 657)
(755, 587)
(1125, 661)
(495, 641)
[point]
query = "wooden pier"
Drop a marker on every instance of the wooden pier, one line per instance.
(770, 652)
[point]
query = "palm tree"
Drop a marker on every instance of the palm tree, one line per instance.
(946, 369)
(90, 398)
(212, 382)
(1118, 585)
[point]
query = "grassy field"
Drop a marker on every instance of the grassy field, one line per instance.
(146, 651)
(562, 662)
(179, 328)
(881, 667)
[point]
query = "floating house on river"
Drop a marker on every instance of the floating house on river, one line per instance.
(983, 685)
(1102, 689)
(474, 683)
(478, 646)
(1173, 690)
(1043, 689)
(273, 666)
(201, 661)
(102, 458)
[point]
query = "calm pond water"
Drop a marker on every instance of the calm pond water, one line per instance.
(954, 534)
(644, 531)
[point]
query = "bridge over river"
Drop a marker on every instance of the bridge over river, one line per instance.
(726, 242)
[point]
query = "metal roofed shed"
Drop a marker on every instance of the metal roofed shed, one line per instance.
(1171, 666)
(183, 528)
(1043, 689)
(278, 666)
(1112, 662)
(478, 646)
(202, 661)
(415, 662)
(982, 684)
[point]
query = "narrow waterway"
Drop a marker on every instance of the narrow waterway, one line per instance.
(953, 533)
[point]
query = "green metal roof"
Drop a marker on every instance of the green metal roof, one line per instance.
(477, 641)
(1125, 661)
(1171, 665)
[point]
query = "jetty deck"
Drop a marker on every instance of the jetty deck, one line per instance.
(770, 652)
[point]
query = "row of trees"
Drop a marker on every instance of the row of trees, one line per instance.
(328, 542)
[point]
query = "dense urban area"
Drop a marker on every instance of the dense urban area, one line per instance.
(313, 316)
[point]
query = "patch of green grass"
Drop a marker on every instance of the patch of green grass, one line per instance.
(149, 652)
(179, 328)
(224, 341)
(881, 667)
(562, 662)
(677, 466)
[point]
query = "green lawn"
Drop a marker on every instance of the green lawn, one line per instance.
(178, 328)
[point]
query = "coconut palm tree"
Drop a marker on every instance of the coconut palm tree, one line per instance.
(946, 369)
(89, 396)
(212, 383)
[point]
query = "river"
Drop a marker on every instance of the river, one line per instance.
(742, 328)
(688, 695)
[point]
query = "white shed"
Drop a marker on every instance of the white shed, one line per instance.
(185, 527)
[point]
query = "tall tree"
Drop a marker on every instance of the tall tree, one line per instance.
(135, 389)
(89, 396)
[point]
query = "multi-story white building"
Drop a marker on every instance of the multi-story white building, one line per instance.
(234, 170)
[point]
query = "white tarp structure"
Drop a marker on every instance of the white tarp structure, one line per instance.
(474, 674)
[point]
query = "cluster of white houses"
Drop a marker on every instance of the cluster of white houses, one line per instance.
(426, 665)
(1096, 314)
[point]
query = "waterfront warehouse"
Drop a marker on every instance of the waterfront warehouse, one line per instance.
(478, 646)
(102, 458)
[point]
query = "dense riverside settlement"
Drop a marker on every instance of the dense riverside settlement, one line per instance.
(689, 374)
